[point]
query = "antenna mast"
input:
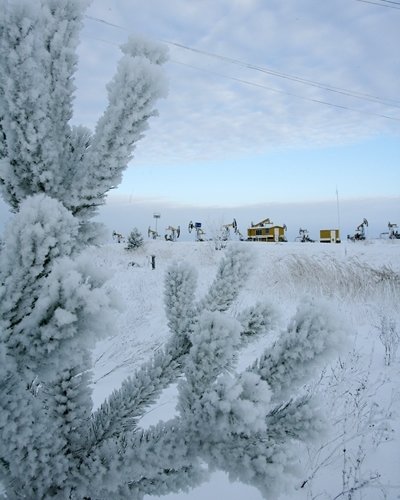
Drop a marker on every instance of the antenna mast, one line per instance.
(338, 211)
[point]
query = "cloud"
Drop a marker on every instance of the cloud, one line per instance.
(209, 116)
(345, 44)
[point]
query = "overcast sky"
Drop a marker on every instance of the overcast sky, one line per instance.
(272, 106)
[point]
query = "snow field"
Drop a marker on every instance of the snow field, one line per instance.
(358, 456)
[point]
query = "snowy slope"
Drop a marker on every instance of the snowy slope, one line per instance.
(359, 455)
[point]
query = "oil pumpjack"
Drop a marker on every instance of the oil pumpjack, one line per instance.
(393, 231)
(151, 233)
(304, 237)
(173, 233)
(226, 230)
(359, 235)
(197, 228)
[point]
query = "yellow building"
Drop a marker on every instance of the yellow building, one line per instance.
(329, 236)
(266, 231)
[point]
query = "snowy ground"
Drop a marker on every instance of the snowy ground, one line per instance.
(359, 457)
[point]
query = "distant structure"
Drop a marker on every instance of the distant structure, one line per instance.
(359, 235)
(156, 216)
(173, 233)
(226, 230)
(225, 233)
(393, 231)
(200, 234)
(329, 236)
(117, 237)
(153, 233)
(304, 237)
(266, 231)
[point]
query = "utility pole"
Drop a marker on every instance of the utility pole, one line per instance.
(156, 217)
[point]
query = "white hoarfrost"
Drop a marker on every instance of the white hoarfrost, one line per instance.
(346, 418)
(40, 150)
(54, 305)
(313, 336)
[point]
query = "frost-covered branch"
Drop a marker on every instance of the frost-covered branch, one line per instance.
(31, 456)
(38, 56)
(299, 419)
(40, 152)
(234, 419)
(47, 301)
(138, 83)
(123, 408)
(179, 299)
(229, 279)
(125, 405)
(54, 304)
(312, 337)
(158, 460)
(43, 232)
(257, 320)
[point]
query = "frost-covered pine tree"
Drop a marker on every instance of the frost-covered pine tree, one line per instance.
(39, 150)
(54, 305)
(135, 239)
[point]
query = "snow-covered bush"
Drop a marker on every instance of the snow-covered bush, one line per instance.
(54, 305)
(352, 277)
(135, 239)
(389, 335)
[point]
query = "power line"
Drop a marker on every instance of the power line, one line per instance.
(312, 83)
(382, 4)
(339, 90)
(98, 39)
(297, 79)
(272, 89)
(103, 21)
(265, 87)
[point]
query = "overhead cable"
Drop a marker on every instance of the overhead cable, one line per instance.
(312, 83)
(339, 90)
(272, 89)
(297, 79)
(382, 4)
